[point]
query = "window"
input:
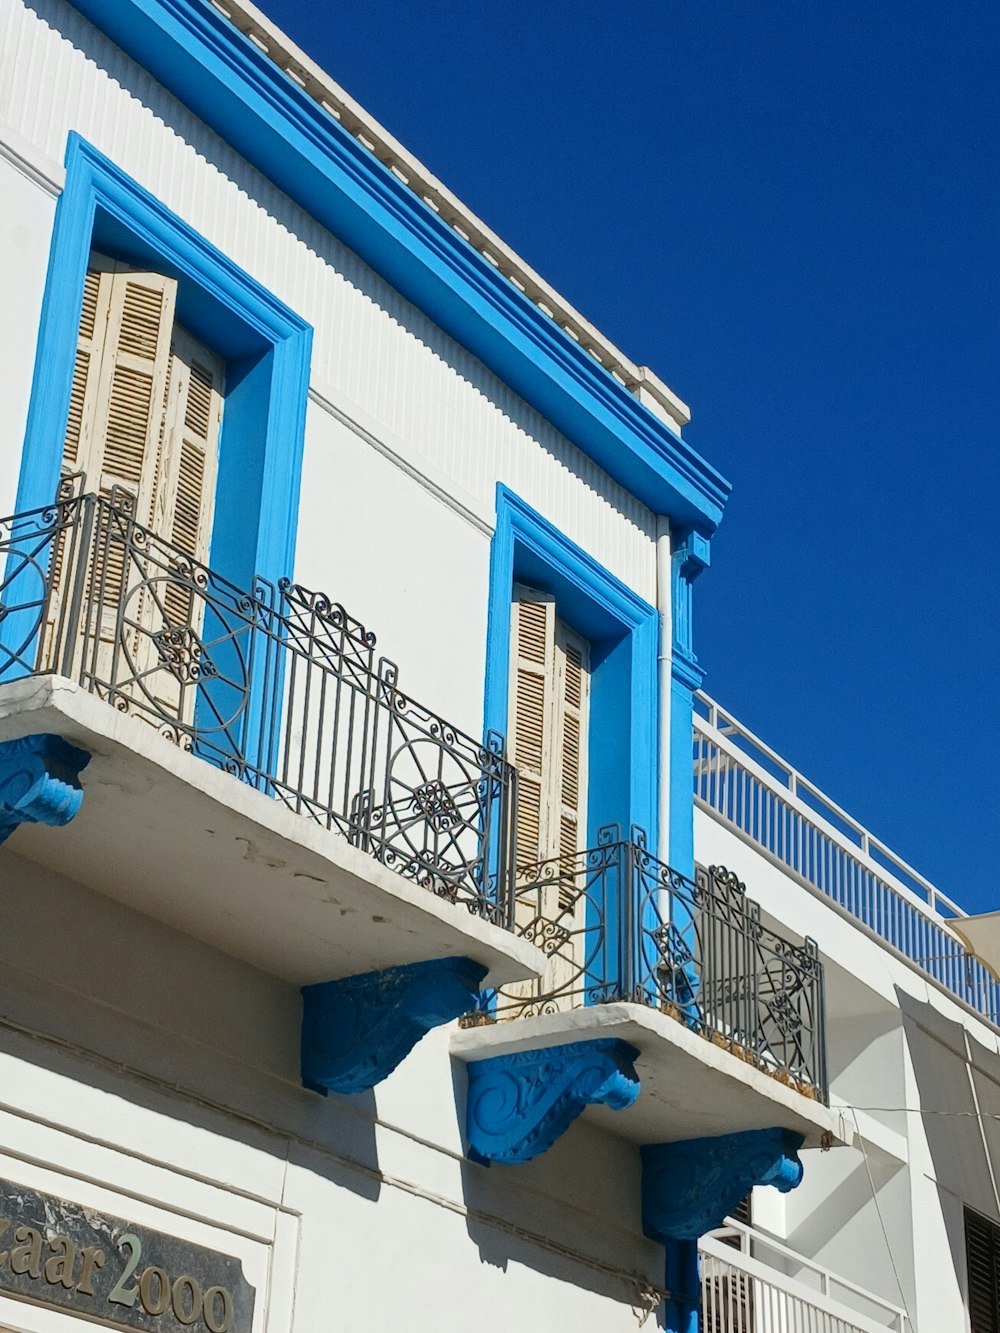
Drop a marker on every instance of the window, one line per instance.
(982, 1254)
(143, 426)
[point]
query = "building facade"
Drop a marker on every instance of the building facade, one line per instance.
(553, 999)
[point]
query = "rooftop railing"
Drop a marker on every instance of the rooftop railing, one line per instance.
(617, 924)
(276, 685)
(752, 790)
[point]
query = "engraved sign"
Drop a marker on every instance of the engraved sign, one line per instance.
(122, 1275)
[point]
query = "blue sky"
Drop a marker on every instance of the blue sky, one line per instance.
(792, 213)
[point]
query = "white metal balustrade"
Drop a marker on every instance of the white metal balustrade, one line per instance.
(740, 1293)
(751, 789)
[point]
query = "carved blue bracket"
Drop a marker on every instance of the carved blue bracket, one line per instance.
(519, 1104)
(689, 1187)
(356, 1031)
(39, 782)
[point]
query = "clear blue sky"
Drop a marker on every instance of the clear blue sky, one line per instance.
(791, 212)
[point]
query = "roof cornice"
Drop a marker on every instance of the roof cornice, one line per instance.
(272, 120)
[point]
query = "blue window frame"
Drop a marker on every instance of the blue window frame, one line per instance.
(623, 632)
(266, 347)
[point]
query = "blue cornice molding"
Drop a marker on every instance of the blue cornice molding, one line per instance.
(519, 1104)
(690, 1187)
(201, 58)
(39, 782)
(356, 1030)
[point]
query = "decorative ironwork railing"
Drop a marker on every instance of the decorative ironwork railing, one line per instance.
(277, 685)
(747, 786)
(617, 924)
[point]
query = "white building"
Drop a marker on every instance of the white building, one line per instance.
(253, 349)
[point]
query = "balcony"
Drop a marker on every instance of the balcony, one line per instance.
(257, 778)
(749, 789)
(727, 1015)
(752, 1283)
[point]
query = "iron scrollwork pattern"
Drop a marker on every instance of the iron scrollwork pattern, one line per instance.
(617, 924)
(277, 685)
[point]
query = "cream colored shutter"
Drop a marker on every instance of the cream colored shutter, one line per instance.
(548, 735)
(566, 901)
(529, 726)
(120, 437)
(186, 496)
(113, 430)
(570, 735)
(190, 453)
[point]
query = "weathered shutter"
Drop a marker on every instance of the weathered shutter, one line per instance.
(113, 429)
(530, 722)
(119, 445)
(572, 703)
(190, 459)
(550, 690)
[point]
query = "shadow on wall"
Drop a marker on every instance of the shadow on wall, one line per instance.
(572, 1214)
(157, 1020)
(957, 1076)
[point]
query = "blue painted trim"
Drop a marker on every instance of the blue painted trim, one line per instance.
(219, 73)
(689, 1187)
(355, 1031)
(689, 558)
(682, 1311)
(623, 631)
(267, 347)
(519, 1104)
(39, 782)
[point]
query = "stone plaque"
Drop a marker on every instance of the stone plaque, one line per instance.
(122, 1275)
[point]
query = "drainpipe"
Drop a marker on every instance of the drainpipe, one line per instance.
(665, 608)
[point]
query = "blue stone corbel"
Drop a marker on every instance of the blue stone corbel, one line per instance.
(689, 1187)
(519, 1104)
(39, 782)
(355, 1031)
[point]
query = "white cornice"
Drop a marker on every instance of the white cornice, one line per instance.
(302, 70)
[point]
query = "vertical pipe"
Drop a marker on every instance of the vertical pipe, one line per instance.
(665, 610)
(681, 1280)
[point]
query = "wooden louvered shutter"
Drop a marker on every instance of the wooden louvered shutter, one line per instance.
(120, 443)
(190, 457)
(532, 677)
(550, 689)
(572, 705)
(113, 427)
(982, 1252)
(184, 505)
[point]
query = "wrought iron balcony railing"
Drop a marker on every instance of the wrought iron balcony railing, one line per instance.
(617, 924)
(275, 685)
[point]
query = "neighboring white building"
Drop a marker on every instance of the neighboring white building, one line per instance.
(571, 1016)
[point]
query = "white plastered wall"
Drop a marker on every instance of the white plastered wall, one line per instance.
(156, 1078)
(921, 1068)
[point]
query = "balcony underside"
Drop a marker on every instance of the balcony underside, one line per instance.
(179, 840)
(691, 1088)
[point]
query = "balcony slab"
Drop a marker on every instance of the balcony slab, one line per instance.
(175, 838)
(691, 1088)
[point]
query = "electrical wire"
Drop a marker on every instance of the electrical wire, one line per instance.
(881, 1220)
